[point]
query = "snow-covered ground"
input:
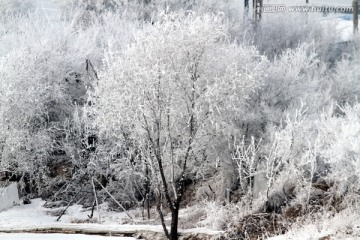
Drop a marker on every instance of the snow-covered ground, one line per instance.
(30, 236)
(344, 28)
(35, 217)
(342, 225)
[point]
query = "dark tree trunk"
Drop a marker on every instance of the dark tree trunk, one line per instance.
(147, 191)
(246, 4)
(174, 222)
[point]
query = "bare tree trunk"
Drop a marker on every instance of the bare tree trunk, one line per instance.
(96, 200)
(356, 14)
(147, 191)
(158, 208)
(148, 206)
(257, 9)
(175, 222)
(246, 9)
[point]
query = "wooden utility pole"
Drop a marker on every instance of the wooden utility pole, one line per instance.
(356, 14)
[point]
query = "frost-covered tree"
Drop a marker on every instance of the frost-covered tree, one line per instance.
(37, 91)
(10, 7)
(138, 10)
(171, 91)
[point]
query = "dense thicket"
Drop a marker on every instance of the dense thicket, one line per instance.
(134, 102)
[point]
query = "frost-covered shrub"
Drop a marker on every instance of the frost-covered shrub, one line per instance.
(309, 149)
(294, 78)
(338, 138)
(344, 87)
(11, 7)
(146, 10)
(223, 217)
(44, 75)
(216, 215)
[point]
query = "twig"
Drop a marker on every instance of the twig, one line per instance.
(92, 210)
(96, 200)
(89, 65)
(121, 206)
(72, 200)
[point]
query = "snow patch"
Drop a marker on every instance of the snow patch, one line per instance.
(9, 196)
(30, 236)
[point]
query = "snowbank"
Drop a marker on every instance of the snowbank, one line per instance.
(9, 196)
